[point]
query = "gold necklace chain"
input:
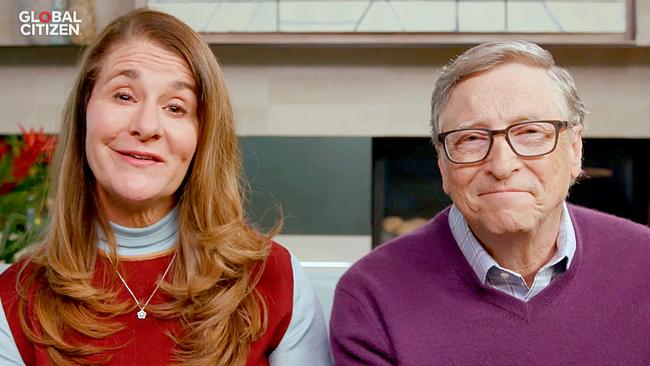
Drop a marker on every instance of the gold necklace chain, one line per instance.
(143, 314)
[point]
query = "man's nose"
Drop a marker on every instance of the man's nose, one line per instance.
(502, 161)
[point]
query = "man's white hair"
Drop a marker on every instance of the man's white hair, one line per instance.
(489, 55)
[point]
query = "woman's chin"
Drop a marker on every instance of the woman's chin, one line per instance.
(141, 197)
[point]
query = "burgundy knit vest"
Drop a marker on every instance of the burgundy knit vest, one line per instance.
(143, 342)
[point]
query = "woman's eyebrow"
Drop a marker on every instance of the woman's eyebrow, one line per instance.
(135, 74)
(129, 73)
(181, 85)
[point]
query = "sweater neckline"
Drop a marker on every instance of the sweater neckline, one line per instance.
(526, 310)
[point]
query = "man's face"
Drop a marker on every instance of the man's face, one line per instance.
(506, 193)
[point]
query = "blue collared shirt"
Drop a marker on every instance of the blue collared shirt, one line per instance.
(490, 273)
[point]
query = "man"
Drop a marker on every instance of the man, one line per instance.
(510, 273)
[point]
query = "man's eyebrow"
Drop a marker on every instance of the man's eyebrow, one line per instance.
(526, 118)
(482, 124)
(469, 124)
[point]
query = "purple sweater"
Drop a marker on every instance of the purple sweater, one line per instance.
(417, 302)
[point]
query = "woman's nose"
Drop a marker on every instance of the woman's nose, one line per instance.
(145, 123)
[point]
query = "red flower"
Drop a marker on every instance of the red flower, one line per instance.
(22, 163)
(48, 148)
(38, 148)
(4, 148)
(6, 187)
(33, 138)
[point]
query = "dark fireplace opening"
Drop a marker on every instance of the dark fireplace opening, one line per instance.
(407, 187)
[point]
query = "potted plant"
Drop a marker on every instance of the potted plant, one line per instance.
(24, 160)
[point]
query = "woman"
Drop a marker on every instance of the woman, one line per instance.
(148, 259)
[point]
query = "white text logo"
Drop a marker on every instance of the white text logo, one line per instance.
(49, 23)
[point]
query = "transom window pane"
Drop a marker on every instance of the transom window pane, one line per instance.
(400, 16)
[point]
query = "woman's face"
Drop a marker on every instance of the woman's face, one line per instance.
(141, 131)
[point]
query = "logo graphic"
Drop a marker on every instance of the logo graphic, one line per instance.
(49, 23)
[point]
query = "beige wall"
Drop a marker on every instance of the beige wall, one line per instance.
(337, 91)
(354, 91)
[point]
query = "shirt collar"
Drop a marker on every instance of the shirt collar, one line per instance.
(481, 262)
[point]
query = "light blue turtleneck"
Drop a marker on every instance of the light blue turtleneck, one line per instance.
(159, 237)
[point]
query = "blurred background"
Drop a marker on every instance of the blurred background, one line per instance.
(332, 105)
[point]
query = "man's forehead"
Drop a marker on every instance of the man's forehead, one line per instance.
(506, 94)
(510, 75)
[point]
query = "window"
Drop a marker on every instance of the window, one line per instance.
(375, 19)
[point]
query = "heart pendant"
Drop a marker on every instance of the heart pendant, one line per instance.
(142, 314)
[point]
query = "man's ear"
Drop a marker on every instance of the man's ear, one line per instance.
(442, 166)
(576, 151)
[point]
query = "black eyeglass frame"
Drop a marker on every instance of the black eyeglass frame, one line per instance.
(559, 126)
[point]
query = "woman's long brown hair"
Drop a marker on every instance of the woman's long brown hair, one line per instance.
(219, 254)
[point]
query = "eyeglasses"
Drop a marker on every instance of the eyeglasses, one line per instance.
(527, 139)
